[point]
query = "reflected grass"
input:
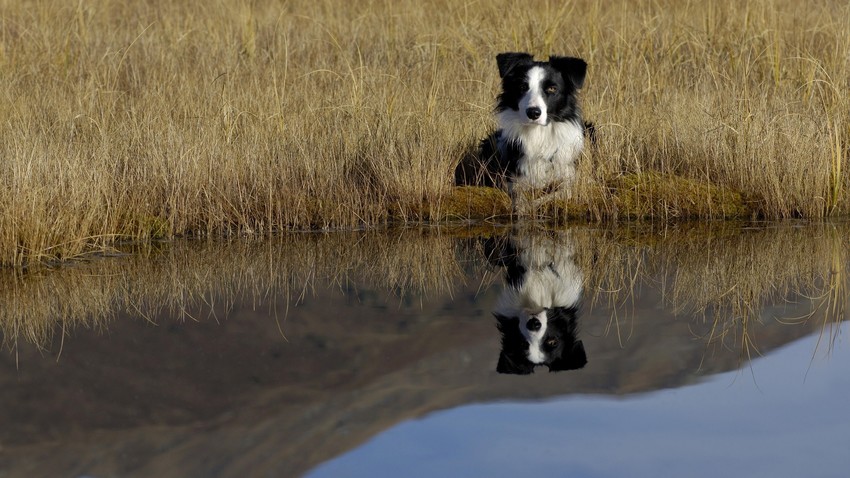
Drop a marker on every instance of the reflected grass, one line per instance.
(730, 276)
(721, 274)
(179, 278)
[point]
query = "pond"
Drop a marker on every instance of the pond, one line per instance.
(640, 350)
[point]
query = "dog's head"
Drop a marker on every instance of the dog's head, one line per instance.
(540, 92)
(541, 337)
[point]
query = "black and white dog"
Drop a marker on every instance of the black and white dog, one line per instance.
(537, 312)
(541, 132)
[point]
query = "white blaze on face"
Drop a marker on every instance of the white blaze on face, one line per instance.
(535, 337)
(533, 98)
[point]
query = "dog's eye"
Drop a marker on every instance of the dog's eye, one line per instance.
(523, 88)
(551, 90)
(552, 343)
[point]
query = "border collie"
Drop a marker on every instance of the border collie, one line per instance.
(541, 132)
(537, 313)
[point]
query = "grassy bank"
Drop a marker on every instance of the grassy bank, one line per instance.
(142, 119)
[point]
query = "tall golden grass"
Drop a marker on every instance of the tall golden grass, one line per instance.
(132, 120)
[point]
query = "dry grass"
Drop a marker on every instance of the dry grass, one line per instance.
(131, 120)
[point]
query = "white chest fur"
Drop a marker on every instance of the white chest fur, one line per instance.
(552, 279)
(549, 152)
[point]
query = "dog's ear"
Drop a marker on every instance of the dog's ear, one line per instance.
(572, 359)
(504, 323)
(509, 61)
(511, 359)
(573, 69)
(514, 365)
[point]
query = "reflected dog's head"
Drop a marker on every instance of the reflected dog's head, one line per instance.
(545, 337)
(537, 313)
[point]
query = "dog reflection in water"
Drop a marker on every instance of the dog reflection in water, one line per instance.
(537, 311)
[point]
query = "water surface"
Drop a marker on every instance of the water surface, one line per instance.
(708, 350)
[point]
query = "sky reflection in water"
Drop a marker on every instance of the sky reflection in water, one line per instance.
(783, 415)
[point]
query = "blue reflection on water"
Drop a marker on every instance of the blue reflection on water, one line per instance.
(783, 415)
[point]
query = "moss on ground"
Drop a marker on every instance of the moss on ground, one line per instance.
(631, 196)
(664, 196)
(471, 202)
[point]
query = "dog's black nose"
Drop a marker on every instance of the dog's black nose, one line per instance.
(533, 324)
(533, 113)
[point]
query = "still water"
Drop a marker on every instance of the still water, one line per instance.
(637, 351)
